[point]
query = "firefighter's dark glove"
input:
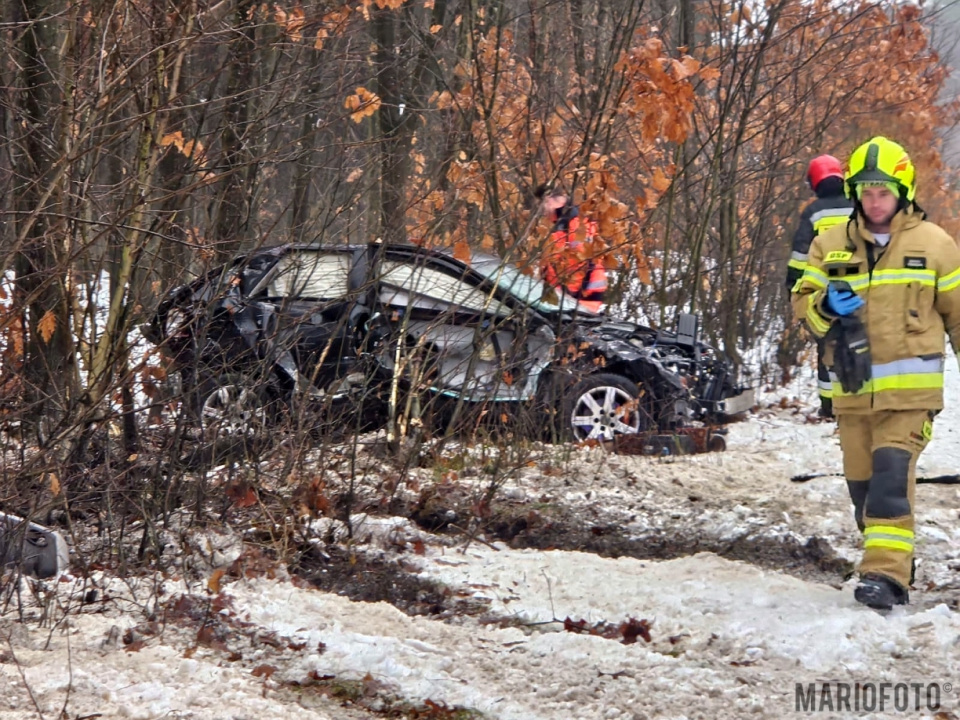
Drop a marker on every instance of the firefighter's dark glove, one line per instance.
(841, 300)
(851, 356)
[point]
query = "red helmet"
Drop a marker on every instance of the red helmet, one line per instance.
(821, 167)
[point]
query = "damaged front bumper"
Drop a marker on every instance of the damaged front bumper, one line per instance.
(738, 403)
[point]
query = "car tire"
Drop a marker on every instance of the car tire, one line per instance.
(601, 406)
(233, 410)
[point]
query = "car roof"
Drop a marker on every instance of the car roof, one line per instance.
(392, 248)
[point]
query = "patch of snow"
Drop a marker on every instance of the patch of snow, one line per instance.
(728, 639)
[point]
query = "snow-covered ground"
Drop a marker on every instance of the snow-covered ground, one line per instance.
(728, 638)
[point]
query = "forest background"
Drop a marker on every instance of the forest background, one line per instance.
(146, 142)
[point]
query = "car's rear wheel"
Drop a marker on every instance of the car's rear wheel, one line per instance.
(603, 405)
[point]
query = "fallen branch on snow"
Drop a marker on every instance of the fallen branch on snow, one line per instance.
(936, 480)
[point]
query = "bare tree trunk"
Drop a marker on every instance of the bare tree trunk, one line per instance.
(394, 128)
(304, 165)
(39, 275)
(686, 24)
(232, 205)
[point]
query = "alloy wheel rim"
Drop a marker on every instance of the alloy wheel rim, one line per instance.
(233, 411)
(603, 412)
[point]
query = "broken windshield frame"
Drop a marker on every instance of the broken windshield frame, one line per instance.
(529, 290)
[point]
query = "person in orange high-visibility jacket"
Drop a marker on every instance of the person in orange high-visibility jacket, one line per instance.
(567, 265)
(883, 289)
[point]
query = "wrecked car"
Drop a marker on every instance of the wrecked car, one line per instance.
(342, 325)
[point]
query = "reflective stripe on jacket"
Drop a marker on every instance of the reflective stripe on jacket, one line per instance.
(912, 296)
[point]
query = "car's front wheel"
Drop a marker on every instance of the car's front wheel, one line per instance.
(603, 405)
(232, 408)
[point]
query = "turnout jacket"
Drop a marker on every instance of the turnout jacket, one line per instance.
(819, 216)
(911, 290)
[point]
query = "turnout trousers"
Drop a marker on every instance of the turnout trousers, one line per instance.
(880, 451)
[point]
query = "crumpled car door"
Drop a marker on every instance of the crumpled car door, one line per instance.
(455, 338)
(314, 315)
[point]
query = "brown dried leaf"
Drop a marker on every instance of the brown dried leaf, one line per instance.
(576, 627)
(271, 639)
(206, 636)
(362, 103)
(461, 251)
(264, 671)
(242, 494)
(709, 73)
(631, 629)
(292, 22)
(187, 606)
(221, 602)
(313, 498)
(190, 149)
(659, 180)
(172, 138)
(213, 582)
(47, 325)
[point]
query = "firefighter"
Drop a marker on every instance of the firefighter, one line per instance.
(832, 206)
(567, 265)
(883, 289)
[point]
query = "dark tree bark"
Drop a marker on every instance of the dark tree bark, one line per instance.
(394, 138)
(48, 359)
(233, 202)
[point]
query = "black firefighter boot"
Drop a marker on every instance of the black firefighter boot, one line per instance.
(826, 408)
(880, 592)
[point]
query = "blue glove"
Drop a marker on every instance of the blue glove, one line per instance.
(841, 300)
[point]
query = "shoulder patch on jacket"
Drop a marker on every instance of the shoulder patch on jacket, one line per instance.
(915, 263)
